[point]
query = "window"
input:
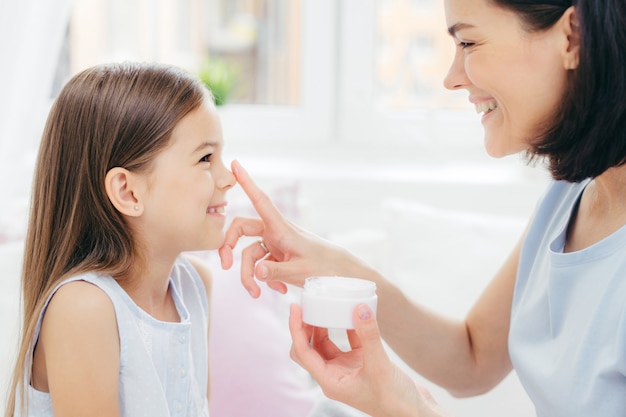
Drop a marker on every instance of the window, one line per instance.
(306, 70)
(281, 60)
(395, 55)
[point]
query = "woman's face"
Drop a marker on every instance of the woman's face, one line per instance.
(515, 79)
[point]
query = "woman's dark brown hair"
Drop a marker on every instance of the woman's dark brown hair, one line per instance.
(588, 135)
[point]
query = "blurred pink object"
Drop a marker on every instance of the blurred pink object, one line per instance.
(250, 368)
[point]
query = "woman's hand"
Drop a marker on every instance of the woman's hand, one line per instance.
(364, 378)
(294, 254)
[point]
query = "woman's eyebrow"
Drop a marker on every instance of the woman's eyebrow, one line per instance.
(452, 30)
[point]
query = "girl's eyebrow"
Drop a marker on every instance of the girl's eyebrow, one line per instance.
(204, 145)
(452, 30)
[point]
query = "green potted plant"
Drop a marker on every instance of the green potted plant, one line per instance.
(219, 77)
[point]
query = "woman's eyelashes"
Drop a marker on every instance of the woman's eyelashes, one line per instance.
(206, 158)
(464, 45)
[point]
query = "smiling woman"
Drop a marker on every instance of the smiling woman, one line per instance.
(554, 310)
(498, 68)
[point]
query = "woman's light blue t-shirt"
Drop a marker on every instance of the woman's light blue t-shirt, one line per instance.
(567, 337)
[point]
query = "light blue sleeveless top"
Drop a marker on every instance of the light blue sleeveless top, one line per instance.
(567, 338)
(163, 365)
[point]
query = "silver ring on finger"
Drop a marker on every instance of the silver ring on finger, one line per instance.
(262, 244)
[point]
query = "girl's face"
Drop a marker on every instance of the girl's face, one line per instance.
(515, 79)
(183, 208)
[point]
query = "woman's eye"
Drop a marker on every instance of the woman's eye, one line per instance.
(206, 158)
(464, 45)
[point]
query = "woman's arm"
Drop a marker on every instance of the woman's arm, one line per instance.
(77, 357)
(466, 357)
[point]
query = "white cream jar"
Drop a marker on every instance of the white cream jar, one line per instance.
(330, 301)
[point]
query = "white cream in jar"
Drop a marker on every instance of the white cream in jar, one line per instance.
(329, 301)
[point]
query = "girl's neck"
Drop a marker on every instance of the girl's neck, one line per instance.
(148, 287)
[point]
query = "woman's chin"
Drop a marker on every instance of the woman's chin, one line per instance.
(496, 149)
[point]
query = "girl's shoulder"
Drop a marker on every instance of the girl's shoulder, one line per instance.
(80, 296)
(200, 267)
(78, 341)
(79, 313)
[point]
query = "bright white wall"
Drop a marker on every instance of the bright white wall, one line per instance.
(32, 33)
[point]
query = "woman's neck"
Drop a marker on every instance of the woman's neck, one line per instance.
(602, 210)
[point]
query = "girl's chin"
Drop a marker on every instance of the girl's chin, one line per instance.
(214, 243)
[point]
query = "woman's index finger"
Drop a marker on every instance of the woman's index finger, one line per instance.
(261, 202)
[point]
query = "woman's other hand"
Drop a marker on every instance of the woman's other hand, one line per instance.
(293, 254)
(364, 378)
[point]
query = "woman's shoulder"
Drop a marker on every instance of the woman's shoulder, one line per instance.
(560, 195)
(561, 189)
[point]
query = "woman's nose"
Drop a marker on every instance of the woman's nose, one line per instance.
(456, 78)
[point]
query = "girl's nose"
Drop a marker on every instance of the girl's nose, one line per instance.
(226, 179)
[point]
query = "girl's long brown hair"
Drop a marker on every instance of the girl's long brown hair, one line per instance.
(118, 115)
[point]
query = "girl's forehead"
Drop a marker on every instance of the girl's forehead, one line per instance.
(200, 126)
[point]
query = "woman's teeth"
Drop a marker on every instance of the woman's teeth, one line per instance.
(216, 209)
(486, 107)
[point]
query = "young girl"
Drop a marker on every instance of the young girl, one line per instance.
(115, 318)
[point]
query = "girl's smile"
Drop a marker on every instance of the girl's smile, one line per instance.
(187, 186)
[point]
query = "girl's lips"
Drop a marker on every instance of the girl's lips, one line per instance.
(217, 209)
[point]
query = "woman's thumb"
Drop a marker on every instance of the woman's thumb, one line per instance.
(366, 327)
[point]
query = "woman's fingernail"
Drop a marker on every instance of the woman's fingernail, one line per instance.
(364, 312)
(263, 272)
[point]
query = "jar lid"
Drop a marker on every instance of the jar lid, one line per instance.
(339, 287)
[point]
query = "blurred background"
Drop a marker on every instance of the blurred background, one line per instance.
(337, 109)
(339, 89)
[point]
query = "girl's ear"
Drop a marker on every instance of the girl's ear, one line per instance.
(571, 29)
(122, 188)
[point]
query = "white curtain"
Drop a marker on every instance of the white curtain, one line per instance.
(31, 37)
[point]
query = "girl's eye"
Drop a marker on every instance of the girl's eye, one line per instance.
(206, 158)
(464, 45)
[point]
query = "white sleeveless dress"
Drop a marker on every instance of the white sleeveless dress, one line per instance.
(163, 365)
